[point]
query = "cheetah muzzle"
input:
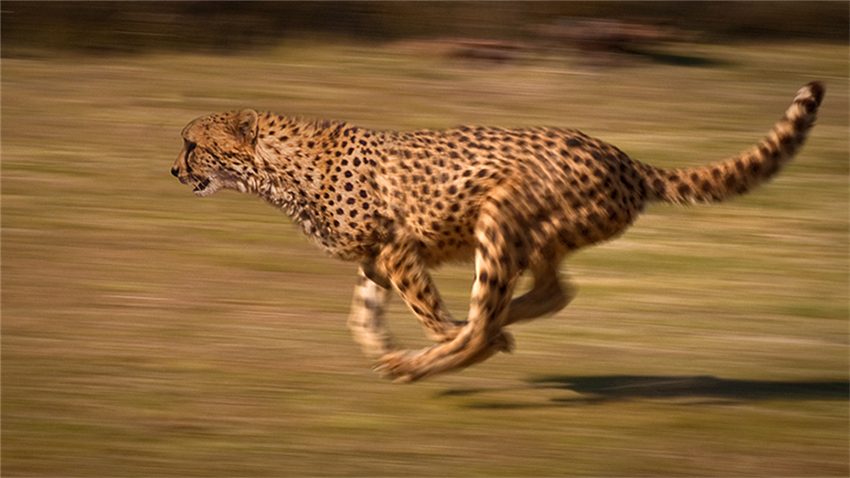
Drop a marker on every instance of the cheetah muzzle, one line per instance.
(513, 201)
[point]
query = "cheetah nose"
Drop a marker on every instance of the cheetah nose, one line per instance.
(175, 172)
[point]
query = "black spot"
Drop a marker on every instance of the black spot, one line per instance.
(800, 123)
(739, 165)
(809, 105)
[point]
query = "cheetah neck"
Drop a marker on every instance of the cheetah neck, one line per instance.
(285, 178)
(292, 162)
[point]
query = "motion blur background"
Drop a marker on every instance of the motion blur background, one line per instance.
(231, 27)
(146, 332)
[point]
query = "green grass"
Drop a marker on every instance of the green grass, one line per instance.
(146, 332)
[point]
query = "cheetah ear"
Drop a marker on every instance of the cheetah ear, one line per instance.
(245, 125)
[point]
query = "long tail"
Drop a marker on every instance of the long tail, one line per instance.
(744, 172)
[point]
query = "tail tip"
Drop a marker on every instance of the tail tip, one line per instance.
(816, 90)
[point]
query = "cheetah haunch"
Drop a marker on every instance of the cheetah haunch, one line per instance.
(515, 200)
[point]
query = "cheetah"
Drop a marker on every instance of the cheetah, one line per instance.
(514, 201)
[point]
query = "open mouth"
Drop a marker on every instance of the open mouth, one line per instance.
(205, 187)
(201, 185)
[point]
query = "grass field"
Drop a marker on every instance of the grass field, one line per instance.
(146, 332)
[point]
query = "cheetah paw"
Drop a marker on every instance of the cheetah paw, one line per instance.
(410, 366)
(400, 366)
(504, 342)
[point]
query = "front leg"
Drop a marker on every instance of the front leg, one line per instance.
(402, 265)
(366, 320)
(478, 340)
(482, 336)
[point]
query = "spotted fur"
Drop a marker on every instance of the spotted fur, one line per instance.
(512, 200)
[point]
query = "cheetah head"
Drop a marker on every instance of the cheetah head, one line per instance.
(218, 152)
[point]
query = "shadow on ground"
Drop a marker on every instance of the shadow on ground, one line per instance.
(694, 389)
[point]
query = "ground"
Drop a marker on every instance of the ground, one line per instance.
(139, 337)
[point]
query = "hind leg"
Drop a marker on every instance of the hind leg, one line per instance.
(548, 295)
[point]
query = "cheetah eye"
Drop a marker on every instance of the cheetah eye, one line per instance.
(190, 147)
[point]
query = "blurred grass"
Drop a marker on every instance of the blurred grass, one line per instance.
(148, 332)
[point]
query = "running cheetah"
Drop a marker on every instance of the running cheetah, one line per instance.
(514, 200)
